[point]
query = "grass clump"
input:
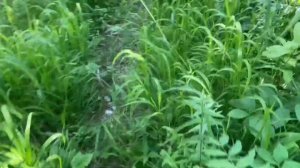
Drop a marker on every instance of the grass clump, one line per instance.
(46, 60)
(45, 69)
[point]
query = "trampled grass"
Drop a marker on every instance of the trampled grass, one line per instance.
(211, 83)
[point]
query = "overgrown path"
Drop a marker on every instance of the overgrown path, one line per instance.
(149, 84)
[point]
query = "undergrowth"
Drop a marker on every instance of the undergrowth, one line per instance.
(197, 84)
(214, 84)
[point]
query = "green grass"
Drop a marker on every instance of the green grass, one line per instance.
(44, 60)
(202, 73)
(211, 83)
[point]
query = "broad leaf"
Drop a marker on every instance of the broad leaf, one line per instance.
(219, 163)
(265, 155)
(247, 160)
(289, 137)
(224, 139)
(291, 61)
(297, 33)
(214, 152)
(287, 76)
(297, 111)
(238, 114)
(81, 160)
(246, 103)
(291, 45)
(269, 95)
(256, 124)
(290, 164)
(276, 51)
(281, 117)
(235, 149)
(280, 153)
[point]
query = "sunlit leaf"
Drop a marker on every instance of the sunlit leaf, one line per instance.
(297, 111)
(214, 152)
(281, 117)
(297, 33)
(275, 51)
(81, 160)
(238, 114)
(265, 155)
(246, 103)
(235, 149)
(224, 139)
(280, 153)
(247, 160)
(290, 164)
(219, 163)
(287, 76)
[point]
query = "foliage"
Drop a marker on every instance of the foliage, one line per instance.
(45, 69)
(210, 87)
(210, 83)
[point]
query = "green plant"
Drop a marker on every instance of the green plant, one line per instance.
(17, 150)
(211, 83)
(48, 60)
(46, 67)
(192, 50)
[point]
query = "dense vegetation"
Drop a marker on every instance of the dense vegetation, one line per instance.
(150, 83)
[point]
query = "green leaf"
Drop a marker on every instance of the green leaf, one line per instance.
(49, 140)
(81, 160)
(246, 103)
(290, 164)
(214, 152)
(287, 76)
(291, 45)
(291, 61)
(268, 94)
(168, 160)
(276, 51)
(247, 160)
(289, 137)
(280, 153)
(238, 114)
(224, 139)
(219, 163)
(281, 117)
(265, 155)
(297, 111)
(297, 33)
(256, 124)
(235, 149)
(54, 158)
